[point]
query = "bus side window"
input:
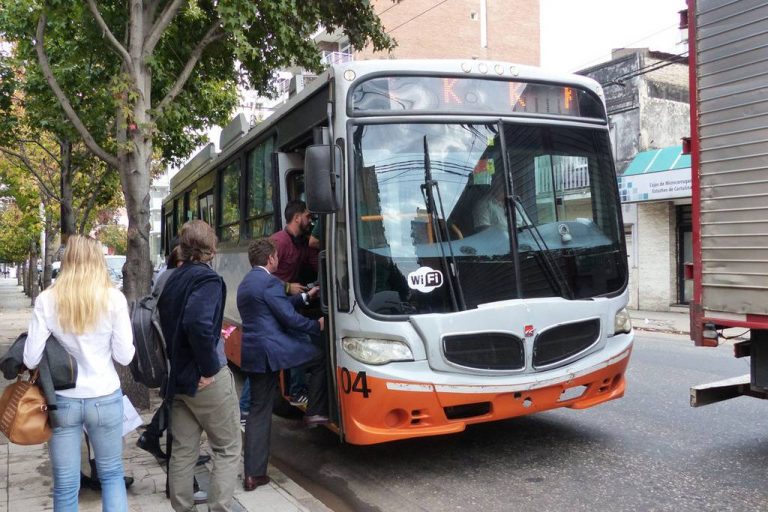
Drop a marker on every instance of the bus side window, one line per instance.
(229, 199)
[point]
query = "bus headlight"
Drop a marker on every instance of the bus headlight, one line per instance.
(623, 323)
(376, 351)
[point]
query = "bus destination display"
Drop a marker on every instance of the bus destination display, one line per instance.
(385, 95)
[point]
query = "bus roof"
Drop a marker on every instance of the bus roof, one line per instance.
(240, 134)
(473, 68)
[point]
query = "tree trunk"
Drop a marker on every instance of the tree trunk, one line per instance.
(135, 171)
(33, 274)
(135, 179)
(137, 273)
(50, 250)
(27, 273)
(68, 223)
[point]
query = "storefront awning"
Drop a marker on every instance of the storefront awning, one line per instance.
(657, 175)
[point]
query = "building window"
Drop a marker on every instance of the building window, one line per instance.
(229, 199)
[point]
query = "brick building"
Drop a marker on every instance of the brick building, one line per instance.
(506, 30)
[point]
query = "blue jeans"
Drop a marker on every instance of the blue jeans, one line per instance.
(103, 418)
(245, 397)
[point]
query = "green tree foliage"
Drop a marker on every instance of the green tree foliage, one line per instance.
(36, 134)
(17, 231)
(113, 236)
(131, 75)
(20, 220)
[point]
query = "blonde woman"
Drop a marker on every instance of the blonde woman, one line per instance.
(90, 319)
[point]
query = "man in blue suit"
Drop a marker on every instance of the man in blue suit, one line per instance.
(275, 337)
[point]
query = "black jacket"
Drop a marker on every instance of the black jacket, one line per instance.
(58, 369)
(191, 311)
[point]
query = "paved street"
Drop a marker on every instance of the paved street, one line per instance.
(647, 451)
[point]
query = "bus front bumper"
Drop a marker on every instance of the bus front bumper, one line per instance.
(378, 410)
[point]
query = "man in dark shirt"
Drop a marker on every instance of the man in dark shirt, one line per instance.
(293, 247)
(295, 261)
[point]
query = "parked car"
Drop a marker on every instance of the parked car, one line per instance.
(115, 268)
(116, 278)
(55, 267)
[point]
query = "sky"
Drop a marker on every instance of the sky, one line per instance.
(576, 34)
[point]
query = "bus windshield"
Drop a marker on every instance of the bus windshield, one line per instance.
(416, 253)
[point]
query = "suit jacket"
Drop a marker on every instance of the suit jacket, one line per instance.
(275, 336)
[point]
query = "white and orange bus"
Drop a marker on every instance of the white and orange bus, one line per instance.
(473, 265)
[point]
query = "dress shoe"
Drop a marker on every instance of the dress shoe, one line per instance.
(152, 445)
(95, 484)
(315, 420)
(252, 482)
(202, 459)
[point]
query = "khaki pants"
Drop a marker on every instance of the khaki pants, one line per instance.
(215, 410)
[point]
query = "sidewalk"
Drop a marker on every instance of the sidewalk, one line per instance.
(25, 473)
(672, 322)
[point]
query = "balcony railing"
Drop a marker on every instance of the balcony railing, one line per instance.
(569, 173)
(336, 57)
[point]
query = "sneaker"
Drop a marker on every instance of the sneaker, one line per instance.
(316, 419)
(299, 399)
(201, 497)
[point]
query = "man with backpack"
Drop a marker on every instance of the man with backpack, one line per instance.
(148, 338)
(200, 387)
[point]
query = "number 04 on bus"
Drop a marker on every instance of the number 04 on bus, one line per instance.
(472, 262)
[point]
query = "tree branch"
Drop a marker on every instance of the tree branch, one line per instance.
(160, 25)
(92, 200)
(119, 49)
(214, 33)
(25, 161)
(38, 143)
(50, 187)
(62, 98)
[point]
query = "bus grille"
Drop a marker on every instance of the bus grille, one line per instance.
(485, 351)
(563, 341)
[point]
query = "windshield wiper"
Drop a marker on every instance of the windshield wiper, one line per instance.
(514, 204)
(549, 261)
(427, 191)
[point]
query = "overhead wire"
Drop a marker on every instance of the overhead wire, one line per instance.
(418, 15)
(676, 59)
(629, 45)
(403, 23)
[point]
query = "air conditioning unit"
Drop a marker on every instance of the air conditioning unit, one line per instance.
(298, 82)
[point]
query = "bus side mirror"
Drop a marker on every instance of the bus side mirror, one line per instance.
(320, 182)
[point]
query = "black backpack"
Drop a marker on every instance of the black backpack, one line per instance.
(150, 365)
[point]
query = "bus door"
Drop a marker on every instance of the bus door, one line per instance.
(290, 171)
(290, 176)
